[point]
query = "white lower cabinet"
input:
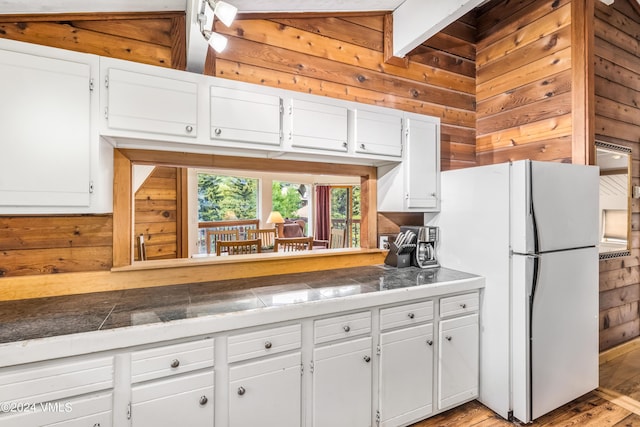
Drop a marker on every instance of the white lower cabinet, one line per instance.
(376, 365)
(180, 400)
(66, 392)
(342, 384)
(458, 367)
(266, 392)
(173, 385)
(406, 375)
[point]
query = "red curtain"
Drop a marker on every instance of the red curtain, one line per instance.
(323, 212)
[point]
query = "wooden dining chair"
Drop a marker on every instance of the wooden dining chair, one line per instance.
(337, 239)
(266, 235)
(293, 244)
(215, 236)
(238, 247)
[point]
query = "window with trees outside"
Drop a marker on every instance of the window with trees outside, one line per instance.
(292, 201)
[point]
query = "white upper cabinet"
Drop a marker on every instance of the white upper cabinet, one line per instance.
(45, 117)
(422, 178)
(414, 184)
(318, 125)
(142, 102)
(246, 117)
(378, 133)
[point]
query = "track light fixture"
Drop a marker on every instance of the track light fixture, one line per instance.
(225, 12)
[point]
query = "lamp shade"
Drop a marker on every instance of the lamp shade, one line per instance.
(275, 218)
(225, 12)
(217, 41)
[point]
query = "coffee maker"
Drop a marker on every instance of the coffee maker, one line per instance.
(424, 255)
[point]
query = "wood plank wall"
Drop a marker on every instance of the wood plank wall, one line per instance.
(523, 65)
(617, 90)
(342, 57)
(149, 38)
(156, 214)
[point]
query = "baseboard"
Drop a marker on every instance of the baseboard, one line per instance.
(619, 350)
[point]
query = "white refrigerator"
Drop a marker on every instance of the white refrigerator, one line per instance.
(530, 228)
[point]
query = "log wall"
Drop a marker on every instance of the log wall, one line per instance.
(617, 98)
(524, 81)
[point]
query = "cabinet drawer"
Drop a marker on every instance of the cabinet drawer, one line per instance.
(265, 342)
(171, 359)
(339, 327)
(407, 314)
(459, 304)
(53, 381)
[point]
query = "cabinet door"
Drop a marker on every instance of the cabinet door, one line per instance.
(242, 116)
(458, 360)
(46, 131)
(266, 392)
(319, 126)
(378, 133)
(342, 384)
(406, 375)
(152, 104)
(422, 177)
(90, 410)
(182, 400)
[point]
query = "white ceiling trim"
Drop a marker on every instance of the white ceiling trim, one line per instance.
(19, 7)
(415, 21)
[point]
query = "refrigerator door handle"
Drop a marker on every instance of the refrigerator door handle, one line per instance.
(532, 212)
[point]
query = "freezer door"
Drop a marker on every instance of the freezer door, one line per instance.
(563, 328)
(554, 206)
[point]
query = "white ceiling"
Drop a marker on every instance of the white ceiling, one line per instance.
(92, 6)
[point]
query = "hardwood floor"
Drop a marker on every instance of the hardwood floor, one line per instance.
(615, 403)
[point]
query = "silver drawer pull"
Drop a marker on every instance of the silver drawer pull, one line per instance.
(218, 131)
(346, 328)
(429, 342)
(203, 400)
(189, 128)
(267, 344)
(463, 305)
(411, 315)
(344, 144)
(448, 338)
(175, 363)
(362, 146)
(367, 359)
(241, 391)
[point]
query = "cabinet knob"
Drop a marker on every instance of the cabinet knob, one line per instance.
(189, 128)
(362, 146)
(429, 342)
(241, 391)
(448, 338)
(96, 425)
(267, 344)
(218, 131)
(367, 359)
(463, 305)
(203, 400)
(411, 315)
(346, 328)
(175, 363)
(344, 144)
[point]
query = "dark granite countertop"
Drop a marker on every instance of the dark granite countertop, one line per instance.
(46, 317)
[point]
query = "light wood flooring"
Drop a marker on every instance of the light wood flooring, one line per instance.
(615, 403)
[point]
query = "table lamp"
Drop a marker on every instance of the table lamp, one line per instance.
(276, 218)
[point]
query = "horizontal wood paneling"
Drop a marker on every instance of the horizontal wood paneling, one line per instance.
(342, 57)
(617, 100)
(524, 80)
(155, 217)
(54, 244)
